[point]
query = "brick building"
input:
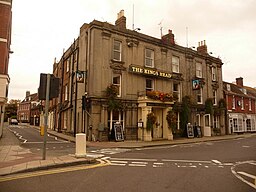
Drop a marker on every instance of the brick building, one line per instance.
(144, 72)
(5, 42)
(241, 104)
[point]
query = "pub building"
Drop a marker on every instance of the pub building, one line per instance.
(127, 75)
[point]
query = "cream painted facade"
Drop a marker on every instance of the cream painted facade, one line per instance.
(136, 63)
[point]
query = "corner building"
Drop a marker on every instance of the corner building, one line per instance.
(145, 71)
(5, 42)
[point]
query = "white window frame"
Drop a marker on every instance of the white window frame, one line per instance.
(149, 58)
(250, 104)
(199, 94)
(214, 78)
(178, 92)
(199, 71)
(216, 122)
(66, 93)
(152, 84)
(119, 86)
(242, 103)
(214, 97)
(248, 123)
(67, 64)
(117, 50)
(175, 64)
(233, 102)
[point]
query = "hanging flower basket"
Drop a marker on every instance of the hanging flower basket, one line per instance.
(157, 95)
(151, 120)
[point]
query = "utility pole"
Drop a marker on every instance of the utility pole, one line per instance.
(46, 113)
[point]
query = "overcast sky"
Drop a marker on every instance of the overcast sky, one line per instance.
(41, 29)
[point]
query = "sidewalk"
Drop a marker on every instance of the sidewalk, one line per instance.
(15, 159)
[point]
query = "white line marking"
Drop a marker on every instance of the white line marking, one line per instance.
(119, 162)
(216, 161)
(252, 163)
(128, 159)
(247, 174)
(136, 165)
(186, 161)
(144, 163)
(158, 163)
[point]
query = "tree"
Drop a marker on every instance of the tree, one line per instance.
(185, 114)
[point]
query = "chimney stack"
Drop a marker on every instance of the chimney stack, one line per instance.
(168, 38)
(202, 48)
(121, 20)
(239, 81)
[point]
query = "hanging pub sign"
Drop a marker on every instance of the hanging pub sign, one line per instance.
(79, 76)
(195, 84)
(119, 134)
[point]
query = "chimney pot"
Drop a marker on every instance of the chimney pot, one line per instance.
(239, 81)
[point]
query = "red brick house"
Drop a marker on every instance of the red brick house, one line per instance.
(241, 104)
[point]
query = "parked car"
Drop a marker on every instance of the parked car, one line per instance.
(14, 122)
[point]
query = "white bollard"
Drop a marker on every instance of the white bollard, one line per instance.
(80, 145)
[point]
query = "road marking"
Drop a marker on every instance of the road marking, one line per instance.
(48, 142)
(245, 146)
(187, 161)
(216, 161)
(123, 162)
(50, 172)
(128, 159)
(247, 174)
(241, 178)
(137, 165)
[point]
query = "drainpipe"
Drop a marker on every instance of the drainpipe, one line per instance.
(75, 108)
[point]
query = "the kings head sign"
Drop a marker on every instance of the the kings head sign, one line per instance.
(149, 72)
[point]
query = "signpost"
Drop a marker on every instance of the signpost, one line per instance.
(48, 89)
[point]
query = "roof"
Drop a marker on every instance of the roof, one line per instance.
(244, 91)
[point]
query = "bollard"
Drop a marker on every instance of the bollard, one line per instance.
(80, 145)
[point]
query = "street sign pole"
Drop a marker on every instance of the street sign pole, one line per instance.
(46, 113)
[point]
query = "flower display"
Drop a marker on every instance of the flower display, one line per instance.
(157, 95)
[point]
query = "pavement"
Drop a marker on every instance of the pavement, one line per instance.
(16, 159)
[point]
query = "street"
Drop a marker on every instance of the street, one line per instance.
(228, 165)
(30, 138)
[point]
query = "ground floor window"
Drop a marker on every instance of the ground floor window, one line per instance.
(248, 125)
(216, 122)
(235, 126)
(114, 116)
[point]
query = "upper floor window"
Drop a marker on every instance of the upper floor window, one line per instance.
(176, 90)
(250, 104)
(233, 102)
(149, 58)
(214, 93)
(66, 93)
(214, 78)
(242, 103)
(199, 70)
(200, 96)
(117, 50)
(149, 85)
(117, 82)
(67, 63)
(175, 64)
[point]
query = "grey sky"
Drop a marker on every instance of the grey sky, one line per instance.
(42, 29)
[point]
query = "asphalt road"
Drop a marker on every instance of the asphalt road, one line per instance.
(210, 166)
(30, 138)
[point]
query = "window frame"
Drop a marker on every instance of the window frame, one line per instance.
(151, 58)
(116, 84)
(199, 93)
(178, 91)
(118, 51)
(214, 73)
(233, 102)
(199, 69)
(152, 84)
(214, 93)
(175, 64)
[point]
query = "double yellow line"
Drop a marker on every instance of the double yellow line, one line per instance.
(49, 172)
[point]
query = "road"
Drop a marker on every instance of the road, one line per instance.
(30, 138)
(210, 166)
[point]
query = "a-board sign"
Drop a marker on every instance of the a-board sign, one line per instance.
(119, 134)
(199, 133)
(190, 130)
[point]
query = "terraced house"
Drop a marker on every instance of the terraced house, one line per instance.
(241, 104)
(122, 76)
